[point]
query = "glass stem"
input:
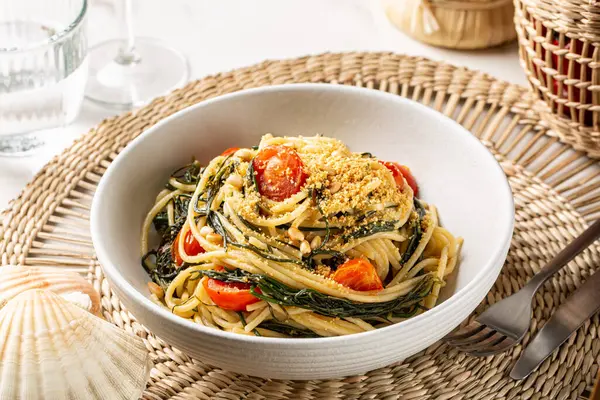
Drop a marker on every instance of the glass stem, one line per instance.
(127, 53)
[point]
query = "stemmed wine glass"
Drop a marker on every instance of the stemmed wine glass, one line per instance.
(130, 71)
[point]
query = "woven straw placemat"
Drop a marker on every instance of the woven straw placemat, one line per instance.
(557, 190)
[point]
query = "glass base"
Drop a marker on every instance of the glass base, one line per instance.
(20, 145)
(130, 82)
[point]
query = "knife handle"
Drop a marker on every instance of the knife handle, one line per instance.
(578, 308)
(567, 254)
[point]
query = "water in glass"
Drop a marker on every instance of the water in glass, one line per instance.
(43, 69)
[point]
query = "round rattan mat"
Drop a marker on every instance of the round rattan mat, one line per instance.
(556, 191)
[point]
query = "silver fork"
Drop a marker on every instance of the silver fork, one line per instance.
(505, 323)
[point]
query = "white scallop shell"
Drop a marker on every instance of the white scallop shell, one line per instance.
(51, 349)
(16, 280)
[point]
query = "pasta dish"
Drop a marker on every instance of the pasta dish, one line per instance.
(296, 237)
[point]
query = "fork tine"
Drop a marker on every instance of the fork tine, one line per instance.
(482, 345)
(480, 335)
(465, 332)
(499, 347)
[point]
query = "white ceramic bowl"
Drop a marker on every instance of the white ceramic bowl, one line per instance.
(454, 171)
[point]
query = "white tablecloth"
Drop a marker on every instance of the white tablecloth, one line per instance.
(219, 35)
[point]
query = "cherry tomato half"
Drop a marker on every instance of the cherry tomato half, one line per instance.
(279, 172)
(229, 151)
(190, 245)
(358, 274)
(399, 172)
(229, 295)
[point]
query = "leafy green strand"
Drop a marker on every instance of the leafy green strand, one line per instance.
(273, 291)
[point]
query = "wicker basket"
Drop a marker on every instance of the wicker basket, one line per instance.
(559, 48)
(457, 24)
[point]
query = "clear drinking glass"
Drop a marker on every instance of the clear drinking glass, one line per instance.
(43, 69)
(130, 71)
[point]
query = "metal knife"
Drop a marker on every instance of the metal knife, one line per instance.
(578, 308)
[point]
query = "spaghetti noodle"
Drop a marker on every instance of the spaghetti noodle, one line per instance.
(297, 237)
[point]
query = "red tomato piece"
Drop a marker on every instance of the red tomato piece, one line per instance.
(399, 172)
(395, 170)
(190, 245)
(410, 179)
(229, 295)
(229, 151)
(358, 274)
(279, 172)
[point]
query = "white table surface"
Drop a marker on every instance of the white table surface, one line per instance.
(220, 35)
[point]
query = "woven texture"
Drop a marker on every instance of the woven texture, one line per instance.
(456, 24)
(557, 190)
(559, 49)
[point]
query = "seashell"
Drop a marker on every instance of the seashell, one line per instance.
(54, 350)
(72, 286)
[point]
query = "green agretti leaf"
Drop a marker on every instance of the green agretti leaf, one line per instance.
(417, 233)
(276, 292)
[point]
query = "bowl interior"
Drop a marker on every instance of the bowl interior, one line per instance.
(454, 170)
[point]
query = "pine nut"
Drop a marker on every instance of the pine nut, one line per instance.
(214, 238)
(376, 165)
(156, 290)
(206, 230)
(295, 234)
(330, 170)
(305, 247)
(235, 180)
(335, 187)
(315, 242)
(244, 154)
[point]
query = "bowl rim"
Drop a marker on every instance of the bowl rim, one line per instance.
(115, 277)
